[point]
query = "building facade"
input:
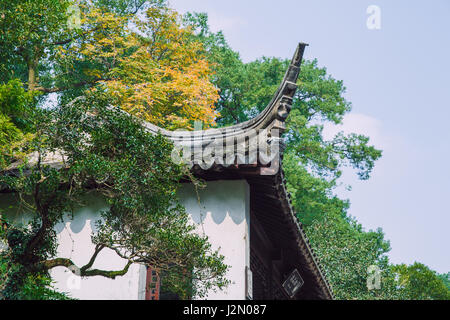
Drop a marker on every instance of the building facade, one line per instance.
(245, 210)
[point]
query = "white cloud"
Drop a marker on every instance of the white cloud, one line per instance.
(219, 22)
(361, 124)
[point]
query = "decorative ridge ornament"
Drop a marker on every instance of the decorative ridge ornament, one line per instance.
(253, 142)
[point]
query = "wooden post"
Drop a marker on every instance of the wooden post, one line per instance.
(152, 285)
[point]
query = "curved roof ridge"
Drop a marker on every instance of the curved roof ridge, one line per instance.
(273, 116)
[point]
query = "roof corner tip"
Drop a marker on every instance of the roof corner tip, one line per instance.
(298, 56)
(294, 69)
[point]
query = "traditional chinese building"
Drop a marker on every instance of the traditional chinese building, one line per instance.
(245, 210)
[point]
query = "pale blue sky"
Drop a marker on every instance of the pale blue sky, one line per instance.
(398, 81)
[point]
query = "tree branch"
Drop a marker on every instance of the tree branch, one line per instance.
(69, 40)
(84, 272)
(76, 85)
(98, 248)
(107, 274)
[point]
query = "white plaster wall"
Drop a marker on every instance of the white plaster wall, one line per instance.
(224, 216)
(74, 237)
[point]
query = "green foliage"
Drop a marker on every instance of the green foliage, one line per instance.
(445, 279)
(37, 286)
(27, 28)
(244, 88)
(15, 102)
(141, 187)
(33, 32)
(106, 151)
(9, 133)
(319, 100)
(16, 106)
(109, 152)
(40, 287)
(135, 49)
(346, 252)
(311, 195)
(421, 283)
(3, 267)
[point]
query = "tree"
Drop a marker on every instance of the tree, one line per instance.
(150, 64)
(346, 252)
(421, 283)
(34, 31)
(103, 151)
(446, 279)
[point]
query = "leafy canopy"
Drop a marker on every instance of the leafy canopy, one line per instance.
(16, 106)
(137, 51)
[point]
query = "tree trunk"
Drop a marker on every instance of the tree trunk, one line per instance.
(32, 72)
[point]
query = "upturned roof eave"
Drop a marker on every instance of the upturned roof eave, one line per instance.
(273, 116)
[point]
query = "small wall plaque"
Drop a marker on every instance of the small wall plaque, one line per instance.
(293, 283)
